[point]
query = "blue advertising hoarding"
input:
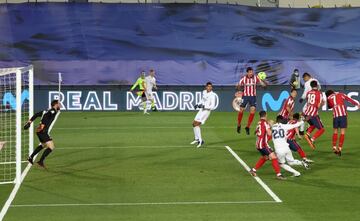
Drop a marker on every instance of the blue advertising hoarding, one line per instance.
(167, 98)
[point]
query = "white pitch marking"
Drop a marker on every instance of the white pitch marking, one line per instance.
(139, 204)
(262, 184)
(13, 193)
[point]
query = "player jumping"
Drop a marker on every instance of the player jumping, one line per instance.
(288, 106)
(207, 104)
(307, 87)
(150, 84)
(336, 101)
(294, 146)
(263, 133)
(282, 150)
(140, 84)
(248, 85)
(313, 104)
(42, 131)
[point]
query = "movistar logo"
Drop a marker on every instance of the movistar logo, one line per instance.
(9, 100)
(275, 105)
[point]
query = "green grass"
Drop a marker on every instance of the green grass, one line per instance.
(131, 158)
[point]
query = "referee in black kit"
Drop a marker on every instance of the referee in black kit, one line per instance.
(42, 131)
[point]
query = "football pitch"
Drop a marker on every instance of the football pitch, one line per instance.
(127, 166)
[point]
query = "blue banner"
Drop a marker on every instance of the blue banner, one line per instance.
(187, 44)
(167, 98)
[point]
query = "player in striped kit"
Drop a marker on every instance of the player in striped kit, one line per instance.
(307, 87)
(263, 133)
(336, 101)
(314, 102)
(248, 83)
(288, 106)
(293, 145)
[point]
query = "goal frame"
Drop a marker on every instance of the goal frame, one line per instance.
(19, 71)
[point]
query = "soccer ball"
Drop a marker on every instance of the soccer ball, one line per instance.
(262, 75)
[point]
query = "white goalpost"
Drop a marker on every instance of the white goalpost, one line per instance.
(16, 107)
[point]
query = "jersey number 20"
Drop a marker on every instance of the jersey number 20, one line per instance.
(278, 133)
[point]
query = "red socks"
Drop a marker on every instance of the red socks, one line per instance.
(334, 139)
(250, 119)
(319, 133)
(240, 115)
(275, 165)
(260, 162)
(310, 129)
(301, 153)
(341, 141)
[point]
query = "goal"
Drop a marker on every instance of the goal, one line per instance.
(16, 106)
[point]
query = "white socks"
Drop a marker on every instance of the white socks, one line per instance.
(295, 163)
(197, 133)
(290, 169)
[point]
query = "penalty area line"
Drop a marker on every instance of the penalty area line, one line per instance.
(262, 184)
(140, 204)
(13, 193)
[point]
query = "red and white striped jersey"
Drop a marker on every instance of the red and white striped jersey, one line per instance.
(284, 110)
(336, 101)
(291, 133)
(261, 133)
(314, 99)
(249, 85)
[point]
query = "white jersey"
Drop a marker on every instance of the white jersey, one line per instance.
(308, 88)
(150, 82)
(279, 132)
(208, 100)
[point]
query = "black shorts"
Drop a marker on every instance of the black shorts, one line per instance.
(251, 100)
(43, 137)
(340, 122)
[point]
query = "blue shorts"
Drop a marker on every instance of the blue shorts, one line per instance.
(294, 146)
(248, 100)
(315, 121)
(340, 122)
(265, 151)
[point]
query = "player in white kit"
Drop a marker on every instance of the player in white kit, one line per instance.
(207, 104)
(150, 84)
(307, 87)
(282, 149)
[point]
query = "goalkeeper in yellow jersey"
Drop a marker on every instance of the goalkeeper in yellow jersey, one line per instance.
(139, 86)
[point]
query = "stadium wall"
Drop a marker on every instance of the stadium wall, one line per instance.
(168, 98)
(186, 44)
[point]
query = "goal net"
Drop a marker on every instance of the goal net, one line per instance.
(16, 106)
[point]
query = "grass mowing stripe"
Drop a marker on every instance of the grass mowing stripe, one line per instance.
(129, 147)
(13, 193)
(262, 184)
(128, 128)
(139, 204)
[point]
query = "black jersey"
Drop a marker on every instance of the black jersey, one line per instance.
(47, 118)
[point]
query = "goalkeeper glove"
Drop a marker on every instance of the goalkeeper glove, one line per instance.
(198, 106)
(27, 125)
(301, 100)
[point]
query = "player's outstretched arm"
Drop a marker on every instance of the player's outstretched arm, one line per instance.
(27, 125)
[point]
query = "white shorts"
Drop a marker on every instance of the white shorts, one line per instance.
(304, 108)
(284, 156)
(149, 94)
(202, 116)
